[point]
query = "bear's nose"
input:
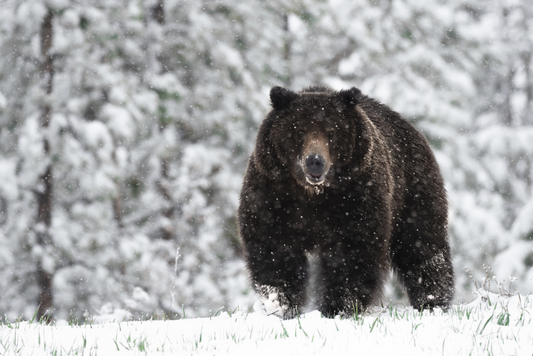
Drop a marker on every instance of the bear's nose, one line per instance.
(315, 165)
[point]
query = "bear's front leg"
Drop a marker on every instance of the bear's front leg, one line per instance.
(273, 250)
(351, 279)
(279, 278)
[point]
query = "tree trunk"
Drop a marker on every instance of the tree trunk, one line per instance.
(117, 208)
(508, 92)
(287, 50)
(158, 12)
(44, 194)
(528, 111)
(167, 230)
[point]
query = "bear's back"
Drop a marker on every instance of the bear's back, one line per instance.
(413, 164)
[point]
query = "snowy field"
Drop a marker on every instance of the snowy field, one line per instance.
(491, 325)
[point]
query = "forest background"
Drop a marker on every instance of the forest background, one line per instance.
(125, 129)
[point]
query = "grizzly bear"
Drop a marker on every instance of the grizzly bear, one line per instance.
(342, 176)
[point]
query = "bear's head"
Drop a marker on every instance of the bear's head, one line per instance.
(311, 135)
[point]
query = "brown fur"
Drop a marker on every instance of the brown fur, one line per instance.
(343, 176)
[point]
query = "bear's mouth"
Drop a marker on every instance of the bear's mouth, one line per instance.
(315, 179)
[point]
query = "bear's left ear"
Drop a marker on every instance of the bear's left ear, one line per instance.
(281, 97)
(351, 96)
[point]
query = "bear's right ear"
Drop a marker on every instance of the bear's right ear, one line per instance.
(351, 96)
(281, 97)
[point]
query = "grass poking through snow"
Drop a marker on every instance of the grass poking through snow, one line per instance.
(494, 324)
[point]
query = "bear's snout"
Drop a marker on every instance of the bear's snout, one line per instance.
(316, 168)
(315, 160)
(315, 165)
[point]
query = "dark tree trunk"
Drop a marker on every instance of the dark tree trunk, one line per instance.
(44, 194)
(117, 210)
(287, 50)
(117, 200)
(529, 89)
(158, 12)
(44, 219)
(167, 231)
(507, 115)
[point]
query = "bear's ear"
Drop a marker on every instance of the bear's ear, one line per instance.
(281, 97)
(351, 96)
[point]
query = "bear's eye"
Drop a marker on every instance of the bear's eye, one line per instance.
(331, 135)
(301, 132)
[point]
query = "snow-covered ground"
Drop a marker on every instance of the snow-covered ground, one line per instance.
(491, 325)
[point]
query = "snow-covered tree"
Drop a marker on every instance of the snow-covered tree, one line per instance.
(496, 207)
(125, 129)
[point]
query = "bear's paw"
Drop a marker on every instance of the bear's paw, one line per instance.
(272, 302)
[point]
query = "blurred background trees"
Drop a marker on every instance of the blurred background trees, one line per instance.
(125, 128)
